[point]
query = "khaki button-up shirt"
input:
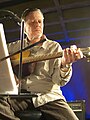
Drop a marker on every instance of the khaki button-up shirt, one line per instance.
(47, 77)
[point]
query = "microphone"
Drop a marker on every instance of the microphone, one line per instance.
(11, 15)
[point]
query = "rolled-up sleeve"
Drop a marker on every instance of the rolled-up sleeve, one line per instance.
(59, 76)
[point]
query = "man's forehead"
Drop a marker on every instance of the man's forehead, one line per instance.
(34, 14)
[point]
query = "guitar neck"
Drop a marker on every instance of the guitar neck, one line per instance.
(37, 58)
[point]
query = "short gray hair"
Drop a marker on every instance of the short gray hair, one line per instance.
(29, 10)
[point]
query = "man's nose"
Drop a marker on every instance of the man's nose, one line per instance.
(37, 23)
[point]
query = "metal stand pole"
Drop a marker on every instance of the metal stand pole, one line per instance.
(20, 64)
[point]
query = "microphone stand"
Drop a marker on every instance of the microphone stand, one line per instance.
(20, 63)
(20, 22)
(17, 19)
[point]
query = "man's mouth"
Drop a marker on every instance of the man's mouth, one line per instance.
(38, 30)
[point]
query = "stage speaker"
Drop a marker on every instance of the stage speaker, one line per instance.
(79, 108)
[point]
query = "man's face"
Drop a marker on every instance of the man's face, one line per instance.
(34, 25)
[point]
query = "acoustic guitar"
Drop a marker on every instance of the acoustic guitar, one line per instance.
(85, 51)
(32, 59)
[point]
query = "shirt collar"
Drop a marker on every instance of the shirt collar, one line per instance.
(44, 45)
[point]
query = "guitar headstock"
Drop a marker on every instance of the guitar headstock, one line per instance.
(86, 53)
